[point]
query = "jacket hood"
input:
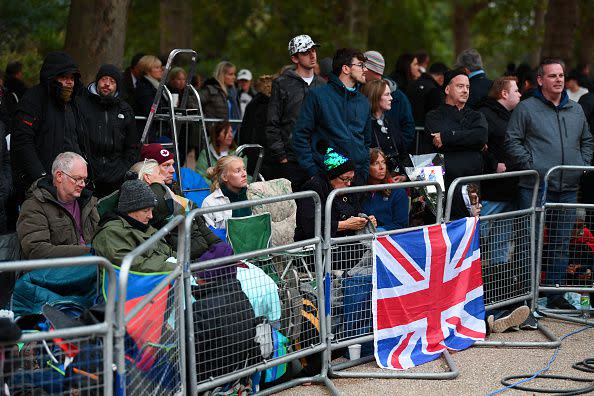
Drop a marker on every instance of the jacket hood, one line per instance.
(56, 64)
(107, 100)
(44, 190)
(564, 98)
(391, 83)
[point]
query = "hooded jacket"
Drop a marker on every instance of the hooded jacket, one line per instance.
(46, 229)
(288, 92)
(113, 137)
(340, 117)
(44, 125)
(541, 135)
(118, 236)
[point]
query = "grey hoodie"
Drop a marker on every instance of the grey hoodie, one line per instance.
(541, 135)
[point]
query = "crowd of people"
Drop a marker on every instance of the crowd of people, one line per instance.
(76, 179)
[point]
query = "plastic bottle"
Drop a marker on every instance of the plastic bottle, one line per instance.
(585, 304)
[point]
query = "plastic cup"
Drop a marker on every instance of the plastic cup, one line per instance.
(354, 351)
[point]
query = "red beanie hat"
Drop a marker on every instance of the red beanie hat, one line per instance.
(155, 151)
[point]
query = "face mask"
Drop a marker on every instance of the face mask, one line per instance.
(66, 93)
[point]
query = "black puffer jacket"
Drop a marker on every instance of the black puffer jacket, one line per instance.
(45, 126)
(497, 118)
(112, 134)
(214, 99)
(287, 96)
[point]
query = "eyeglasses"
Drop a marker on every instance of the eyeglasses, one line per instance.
(383, 128)
(346, 179)
(361, 65)
(81, 181)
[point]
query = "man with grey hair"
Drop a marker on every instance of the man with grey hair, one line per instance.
(59, 216)
(470, 60)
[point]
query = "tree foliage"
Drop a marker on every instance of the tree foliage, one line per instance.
(254, 33)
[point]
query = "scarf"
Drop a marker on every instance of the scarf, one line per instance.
(237, 197)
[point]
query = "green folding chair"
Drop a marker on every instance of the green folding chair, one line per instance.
(250, 233)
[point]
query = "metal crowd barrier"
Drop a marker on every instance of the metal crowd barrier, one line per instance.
(343, 254)
(507, 255)
(221, 338)
(155, 324)
(74, 360)
(565, 261)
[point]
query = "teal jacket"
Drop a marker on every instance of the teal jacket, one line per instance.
(340, 117)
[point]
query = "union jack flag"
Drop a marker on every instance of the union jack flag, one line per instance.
(427, 293)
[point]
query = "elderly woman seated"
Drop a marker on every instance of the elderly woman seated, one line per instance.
(169, 205)
(122, 231)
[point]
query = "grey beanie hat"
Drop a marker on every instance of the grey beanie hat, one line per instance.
(136, 195)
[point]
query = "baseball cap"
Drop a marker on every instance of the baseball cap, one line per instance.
(301, 43)
(244, 74)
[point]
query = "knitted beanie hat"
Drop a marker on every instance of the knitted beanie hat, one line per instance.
(375, 62)
(110, 71)
(155, 151)
(335, 164)
(135, 195)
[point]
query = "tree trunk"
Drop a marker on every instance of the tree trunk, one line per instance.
(96, 34)
(586, 31)
(352, 16)
(175, 25)
(539, 23)
(560, 24)
(463, 11)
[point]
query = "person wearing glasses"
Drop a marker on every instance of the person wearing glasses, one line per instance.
(339, 172)
(59, 216)
(338, 114)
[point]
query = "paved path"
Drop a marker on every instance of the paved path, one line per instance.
(481, 369)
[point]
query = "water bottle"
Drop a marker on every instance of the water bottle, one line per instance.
(585, 304)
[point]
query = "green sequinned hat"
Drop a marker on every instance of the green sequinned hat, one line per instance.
(336, 164)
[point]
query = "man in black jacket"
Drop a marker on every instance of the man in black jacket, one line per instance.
(458, 132)
(47, 121)
(287, 96)
(111, 129)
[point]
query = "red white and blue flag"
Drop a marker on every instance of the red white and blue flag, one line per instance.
(427, 293)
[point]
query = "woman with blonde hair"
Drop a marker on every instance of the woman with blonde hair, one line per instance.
(151, 69)
(229, 184)
(218, 94)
